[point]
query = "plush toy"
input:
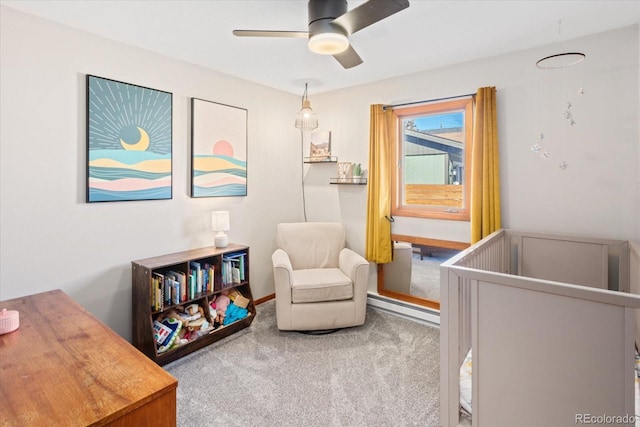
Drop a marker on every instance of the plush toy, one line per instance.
(221, 303)
(212, 311)
(173, 314)
(235, 313)
(192, 309)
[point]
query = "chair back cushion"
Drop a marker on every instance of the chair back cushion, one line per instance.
(312, 244)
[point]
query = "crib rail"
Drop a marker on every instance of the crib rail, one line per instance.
(490, 254)
(482, 304)
(634, 267)
(634, 282)
(455, 313)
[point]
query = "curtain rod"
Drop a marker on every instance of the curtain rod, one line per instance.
(428, 100)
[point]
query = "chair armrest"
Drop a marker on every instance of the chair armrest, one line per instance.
(280, 259)
(282, 275)
(349, 262)
(357, 268)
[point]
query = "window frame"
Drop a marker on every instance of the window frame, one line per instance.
(399, 209)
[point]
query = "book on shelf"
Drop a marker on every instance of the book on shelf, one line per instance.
(235, 273)
(208, 278)
(157, 285)
(205, 278)
(180, 288)
(195, 270)
(166, 293)
(233, 268)
(171, 289)
(175, 292)
(226, 273)
(191, 291)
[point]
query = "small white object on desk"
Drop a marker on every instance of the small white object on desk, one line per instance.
(9, 321)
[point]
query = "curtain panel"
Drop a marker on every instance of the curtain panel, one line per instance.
(485, 179)
(382, 134)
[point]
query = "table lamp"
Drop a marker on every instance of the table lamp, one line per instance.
(220, 223)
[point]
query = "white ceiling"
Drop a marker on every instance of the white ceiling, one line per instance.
(429, 34)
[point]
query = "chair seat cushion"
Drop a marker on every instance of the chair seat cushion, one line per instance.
(320, 284)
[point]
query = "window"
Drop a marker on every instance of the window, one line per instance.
(432, 155)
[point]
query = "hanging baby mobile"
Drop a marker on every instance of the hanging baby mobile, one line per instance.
(551, 136)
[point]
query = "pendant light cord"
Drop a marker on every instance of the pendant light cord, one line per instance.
(304, 202)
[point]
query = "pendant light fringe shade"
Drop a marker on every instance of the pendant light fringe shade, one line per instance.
(306, 119)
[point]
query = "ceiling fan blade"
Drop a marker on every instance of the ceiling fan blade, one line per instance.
(349, 58)
(269, 33)
(369, 13)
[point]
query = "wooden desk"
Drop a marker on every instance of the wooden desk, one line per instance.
(62, 366)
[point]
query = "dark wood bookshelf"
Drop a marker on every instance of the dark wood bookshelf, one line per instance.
(143, 314)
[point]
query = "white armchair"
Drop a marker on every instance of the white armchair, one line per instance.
(320, 283)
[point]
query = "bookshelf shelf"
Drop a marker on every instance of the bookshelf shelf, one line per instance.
(321, 159)
(182, 286)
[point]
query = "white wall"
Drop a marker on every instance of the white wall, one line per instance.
(599, 193)
(50, 238)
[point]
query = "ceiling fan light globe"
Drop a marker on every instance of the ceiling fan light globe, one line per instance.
(328, 43)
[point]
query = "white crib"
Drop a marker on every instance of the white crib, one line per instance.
(552, 324)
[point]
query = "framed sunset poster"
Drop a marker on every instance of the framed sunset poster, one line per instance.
(129, 139)
(218, 149)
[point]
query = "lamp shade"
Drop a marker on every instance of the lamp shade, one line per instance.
(306, 119)
(220, 221)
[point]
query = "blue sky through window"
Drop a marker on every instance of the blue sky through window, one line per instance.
(439, 121)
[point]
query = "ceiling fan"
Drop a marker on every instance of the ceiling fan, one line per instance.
(330, 25)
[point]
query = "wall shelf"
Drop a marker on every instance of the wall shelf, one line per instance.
(323, 159)
(348, 181)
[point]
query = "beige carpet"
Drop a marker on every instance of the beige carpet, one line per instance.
(425, 277)
(384, 373)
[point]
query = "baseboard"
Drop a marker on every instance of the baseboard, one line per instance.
(410, 311)
(264, 299)
(400, 308)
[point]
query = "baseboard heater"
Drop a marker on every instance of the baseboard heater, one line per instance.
(401, 308)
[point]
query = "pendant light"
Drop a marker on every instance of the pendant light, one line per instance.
(306, 119)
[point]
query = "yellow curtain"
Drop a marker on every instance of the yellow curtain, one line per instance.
(381, 140)
(485, 180)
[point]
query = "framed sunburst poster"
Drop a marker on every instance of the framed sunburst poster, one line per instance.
(218, 149)
(129, 139)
